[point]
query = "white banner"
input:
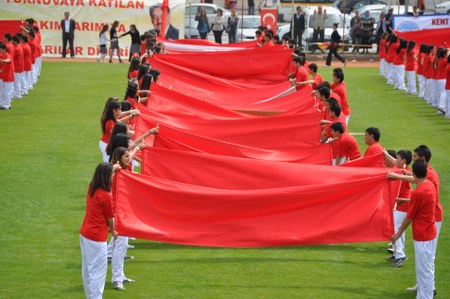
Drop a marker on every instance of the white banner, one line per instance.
(410, 23)
(90, 16)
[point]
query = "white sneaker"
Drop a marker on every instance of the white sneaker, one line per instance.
(130, 246)
(118, 286)
(127, 280)
(412, 289)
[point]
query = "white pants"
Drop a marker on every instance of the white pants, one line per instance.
(400, 243)
(29, 80)
(6, 94)
(102, 146)
(119, 251)
(411, 76)
(23, 83)
(93, 267)
(34, 73)
(347, 118)
(399, 77)
(390, 73)
(422, 81)
(447, 103)
(383, 67)
(429, 89)
(39, 65)
(424, 269)
(440, 94)
(17, 93)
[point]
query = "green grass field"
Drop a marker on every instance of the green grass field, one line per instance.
(49, 149)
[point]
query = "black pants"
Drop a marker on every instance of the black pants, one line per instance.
(298, 37)
(218, 36)
(333, 50)
(67, 37)
(318, 32)
(203, 35)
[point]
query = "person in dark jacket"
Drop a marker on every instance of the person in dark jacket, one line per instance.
(298, 21)
(335, 40)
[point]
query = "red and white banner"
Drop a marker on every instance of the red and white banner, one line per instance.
(269, 18)
(437, 37)
(410, 23)
(90, 16)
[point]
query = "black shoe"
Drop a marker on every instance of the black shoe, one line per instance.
(400, 261)
(110, 61)
(434, 293)
(390, 258)
(390, 250)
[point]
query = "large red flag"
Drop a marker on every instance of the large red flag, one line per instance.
(346, 209)
(437, 37)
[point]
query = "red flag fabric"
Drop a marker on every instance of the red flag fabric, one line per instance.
(217, 90)
(353, 206)
(9, 26)
(276, 132)
(437, 37)
(376, 160)
(239, 64)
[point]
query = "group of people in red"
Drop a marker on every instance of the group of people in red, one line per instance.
(20, 63)
(420, 207)
(399, 58)
(119, 148)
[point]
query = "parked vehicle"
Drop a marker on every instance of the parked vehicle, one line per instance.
(247, 26)
(444, 7)
(334, 16)
(354, 4)
(190, 24)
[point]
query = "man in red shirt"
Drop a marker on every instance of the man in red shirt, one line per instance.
(312, 70)
(422, 215)
(19, 79)
(6, 78)
(348, 149)
(371, 138)
(404, 158)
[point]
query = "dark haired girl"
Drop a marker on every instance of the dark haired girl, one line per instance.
(410, 67)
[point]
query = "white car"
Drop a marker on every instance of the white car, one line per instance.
(443, 7)
(247, 26)
(190, 24)
(334, 16)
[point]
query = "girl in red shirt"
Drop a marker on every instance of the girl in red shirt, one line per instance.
(440, 79)
(112, 114)
(94, 231)
(410, 68)
(390, 54)
(399, 65)
(301, 79)
(134, 68)
(420, 62)
(428, 74)
(382, 54)
(447, 88)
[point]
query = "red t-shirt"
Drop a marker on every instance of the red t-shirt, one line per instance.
(421, 212)
(132, 102)
(419, 63)
(10, 48)
(337, 97)
(405, 192)
(373, 149)
(433, 68)
(390, 55)
(18, 59)
(33, 48)
(38, 39)
(143, 47)
(7, 73)
(382, 52)
(317, 80)
(398, 59)
(342, 92)
(133, 74)
(410, 62)
(442, 64)
(433, 177)
(302, 75)
(98, 210)
(348, 147)
(447, 77)
(269, 44)
(109, 125)
(26, 57)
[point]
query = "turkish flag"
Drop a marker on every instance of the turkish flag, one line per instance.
(269, 18)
